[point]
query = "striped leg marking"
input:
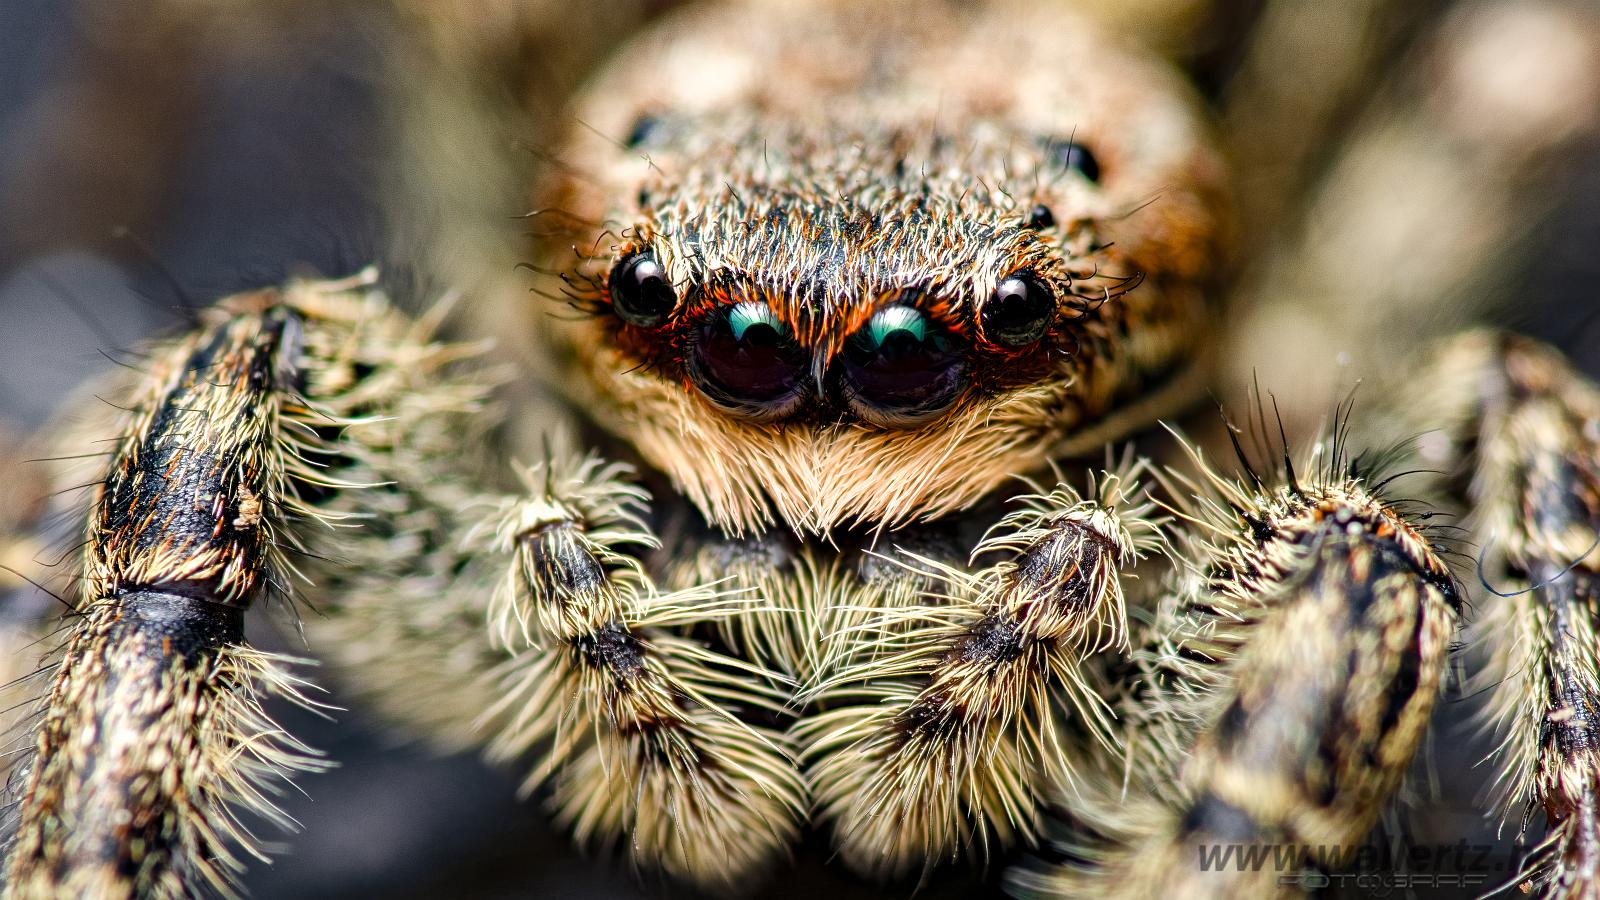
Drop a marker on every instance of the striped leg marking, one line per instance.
(152, 727)
(945, 724)
(1286, 687)
(645, 727)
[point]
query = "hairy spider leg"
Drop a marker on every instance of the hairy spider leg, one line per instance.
(1520, 443)
(1281, 692)
(950, 720)
(152, 730)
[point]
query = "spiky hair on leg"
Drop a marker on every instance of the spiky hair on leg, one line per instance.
(1280, 689)
(1519, 430)
(645, 728)
(151, 740)
(584, 510)
(198, 721)
(955, 716)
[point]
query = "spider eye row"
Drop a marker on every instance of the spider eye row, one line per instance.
(899, 369)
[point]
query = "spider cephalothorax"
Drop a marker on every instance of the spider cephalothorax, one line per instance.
(884, 262)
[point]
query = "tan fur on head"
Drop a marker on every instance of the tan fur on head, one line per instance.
(815, 478)
(896, 170)
(792, 157)
(744, 475)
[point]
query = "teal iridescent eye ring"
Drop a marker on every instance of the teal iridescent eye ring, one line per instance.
(745, 360)
(900, 369)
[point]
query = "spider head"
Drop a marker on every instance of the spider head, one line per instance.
(870, 295)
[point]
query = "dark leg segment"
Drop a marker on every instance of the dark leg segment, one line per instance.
(1285, 688)
(152, 726)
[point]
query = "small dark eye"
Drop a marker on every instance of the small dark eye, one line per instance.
(900, 370)
(644, 131)
(1040, 217)
(1019, 312)
(1075, 157)
(640, 291)
(745, 361)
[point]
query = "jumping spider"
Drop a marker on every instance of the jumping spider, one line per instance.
(801, 543)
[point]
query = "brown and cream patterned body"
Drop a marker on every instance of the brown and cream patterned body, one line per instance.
(799, 546)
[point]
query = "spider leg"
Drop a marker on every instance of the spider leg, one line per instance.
(646, 725)
(152, 728)
(1283, 690)
(944, 718)
(1522, 442)
(527, 623)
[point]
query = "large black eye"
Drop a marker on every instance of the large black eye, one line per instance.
(900, 370)
(1019, 312)
(1074, 157)
(746, 361)
(640, 291)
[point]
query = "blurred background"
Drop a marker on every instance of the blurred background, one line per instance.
(157, 154)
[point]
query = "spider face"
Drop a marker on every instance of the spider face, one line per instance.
(820, 312)
(889, 318)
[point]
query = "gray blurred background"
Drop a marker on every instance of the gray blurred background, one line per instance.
(211, 169)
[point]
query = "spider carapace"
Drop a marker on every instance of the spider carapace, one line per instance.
(854, 286)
